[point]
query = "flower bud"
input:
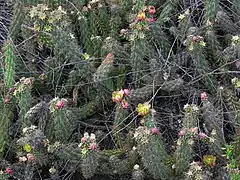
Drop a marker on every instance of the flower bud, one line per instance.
(7, 100)
(8, 170)
(60, 104)
(203, 96)
(124, 104)
(154, 131)
(151, 10)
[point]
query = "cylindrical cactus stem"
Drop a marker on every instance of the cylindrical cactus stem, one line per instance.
(9, 62)
(213, 122)
(89, 164)
(152, 151)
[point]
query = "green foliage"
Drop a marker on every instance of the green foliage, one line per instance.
(233, 157)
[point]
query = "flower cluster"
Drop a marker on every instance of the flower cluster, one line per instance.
(236, 82)
(235, 40)
(22, 85)
(143, 109)
(44, 19)
(28, 130)
(54, 147)
(121, 97)
(29, 157)
(92, 5)
(142, 14)
(194, 42)
(8, 171)
(155, 131)
(33, 140)
(183, 16)
(190, 131)
(190, 134)
(190, 108)
(143, 20)
(42, 12)
(57, 104)
(142, 133)
(88, 142)
(195, 171)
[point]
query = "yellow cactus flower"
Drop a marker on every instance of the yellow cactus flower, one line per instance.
(86, 56)
(27, 148)
(143, 109)
(117, 96)
(36, 27)
(181, 17)
(202, 43)
(42, 15)
(141, 16)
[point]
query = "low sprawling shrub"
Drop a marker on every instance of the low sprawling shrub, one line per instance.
(127, 89)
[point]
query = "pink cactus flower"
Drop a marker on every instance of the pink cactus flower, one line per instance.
(182, 132)
(124, 104)
(83, 139)
(126, 92)
(8, 170)
(121, 92)
(194, 130)
(30, 157)
(116, 99)
(196, 38)
(199, 163)
(60, 104)
(151, 20)
(11, 90)
(203, 96)
(7, 100)
(155, 131)
(117, 96)
(93, 146)
(202, 135)
(151, 10)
